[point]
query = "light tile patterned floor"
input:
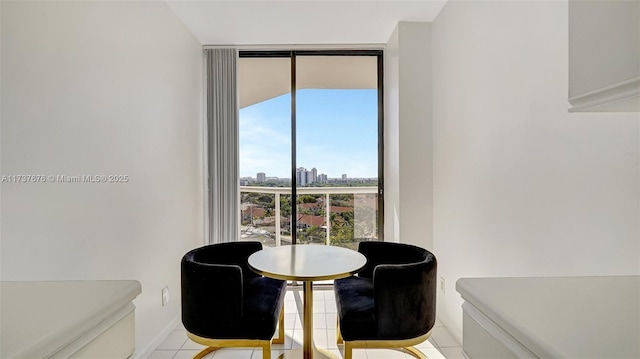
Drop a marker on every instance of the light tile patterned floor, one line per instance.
(177, 346)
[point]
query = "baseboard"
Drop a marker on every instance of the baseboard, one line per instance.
(144, 353)
(447, 324)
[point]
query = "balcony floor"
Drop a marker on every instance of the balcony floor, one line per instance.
(441, 345)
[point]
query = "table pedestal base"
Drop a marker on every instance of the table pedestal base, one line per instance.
(318, 353)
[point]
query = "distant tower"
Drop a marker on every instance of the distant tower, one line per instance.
(261, 177)
(301, 176)
(314, 175)
(344, 176)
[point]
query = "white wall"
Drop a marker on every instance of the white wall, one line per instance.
(522, 187)
(407, 135)
(102, 88)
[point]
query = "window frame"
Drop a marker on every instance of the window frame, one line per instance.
(293, 54)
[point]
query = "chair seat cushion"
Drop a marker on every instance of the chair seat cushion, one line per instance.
(262, 298)
(354, 300)
(261, 307)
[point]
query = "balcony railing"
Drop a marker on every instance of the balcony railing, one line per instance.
(265, 221)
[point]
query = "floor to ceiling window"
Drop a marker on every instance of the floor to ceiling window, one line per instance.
(310, 129)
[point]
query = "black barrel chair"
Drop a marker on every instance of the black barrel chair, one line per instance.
(391, 303)
(226, 304)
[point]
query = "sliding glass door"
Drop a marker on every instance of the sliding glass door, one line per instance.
(265, 147)
(311, 131)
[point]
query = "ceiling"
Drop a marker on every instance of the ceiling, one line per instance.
(260, 79)
(293, 22)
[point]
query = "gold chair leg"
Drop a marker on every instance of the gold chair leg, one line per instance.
(280, 338)
(204, 352)
(339, 339)
(415, 352)
(348, 351)
(266, 351)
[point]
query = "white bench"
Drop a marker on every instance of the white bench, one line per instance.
(67, 319)
(554, 317)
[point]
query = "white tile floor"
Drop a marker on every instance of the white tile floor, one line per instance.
(441, 345)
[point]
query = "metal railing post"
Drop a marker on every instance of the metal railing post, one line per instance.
(327, 208)
(278, 229)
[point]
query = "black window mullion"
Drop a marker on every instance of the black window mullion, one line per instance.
(294, 184)
(245, 53)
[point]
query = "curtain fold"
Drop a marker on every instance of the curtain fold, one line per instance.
(222, 128)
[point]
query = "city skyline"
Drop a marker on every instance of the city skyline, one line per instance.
(267, 177)
(337, 130)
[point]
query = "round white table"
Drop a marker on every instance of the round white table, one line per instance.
(307, 263)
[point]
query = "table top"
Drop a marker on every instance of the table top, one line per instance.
(307, 262)
(563, 317)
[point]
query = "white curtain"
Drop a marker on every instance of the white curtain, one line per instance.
(222, 125)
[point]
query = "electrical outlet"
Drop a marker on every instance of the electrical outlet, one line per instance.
(165, 296)
(442, 284)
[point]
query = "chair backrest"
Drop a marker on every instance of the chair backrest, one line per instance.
(404, 282)
(388, 253)
(212, 279)
(231, 253)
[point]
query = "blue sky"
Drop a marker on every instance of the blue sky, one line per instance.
(337, 133)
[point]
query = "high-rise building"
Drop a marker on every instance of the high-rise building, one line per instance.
(344, 176)
(322, 178)
(304, 177)
(261, 177)
(301, 176)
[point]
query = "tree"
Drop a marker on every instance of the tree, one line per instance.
(342, 229)
(307, 198)
(342, 200)
(285, 205)
(311, 234)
